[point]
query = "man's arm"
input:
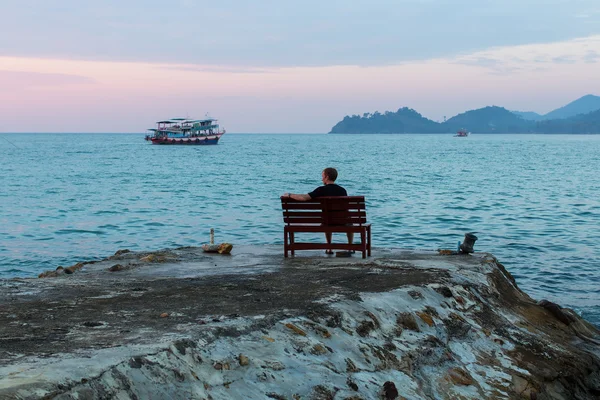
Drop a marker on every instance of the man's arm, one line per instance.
(299, 197)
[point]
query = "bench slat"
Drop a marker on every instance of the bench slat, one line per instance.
(325, 246)
(321, 228)
(306, 220)
(296, 213)
(344, 204)
(303, 206)
(345, 214)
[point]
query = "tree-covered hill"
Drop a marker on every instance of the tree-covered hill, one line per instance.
(580, 124)
(583, 105)
(405, 120)
(491, 119)
(530, 115)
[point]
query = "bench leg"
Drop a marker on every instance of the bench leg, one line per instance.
(292, 243)
(285, 243)
(369, 241)
(328, 239)
(363, 243)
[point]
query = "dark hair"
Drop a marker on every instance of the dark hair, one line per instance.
(331, 173)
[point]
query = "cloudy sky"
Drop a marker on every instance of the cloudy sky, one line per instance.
(280, 66)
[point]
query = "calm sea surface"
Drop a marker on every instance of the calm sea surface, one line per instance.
(533, 200)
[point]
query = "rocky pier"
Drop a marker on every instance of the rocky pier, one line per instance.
(184, 324)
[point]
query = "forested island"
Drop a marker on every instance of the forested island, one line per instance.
(579, 117)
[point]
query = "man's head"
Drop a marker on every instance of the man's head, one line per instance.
(329, 175)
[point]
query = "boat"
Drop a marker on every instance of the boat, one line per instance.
(186, 131)
(462, 133)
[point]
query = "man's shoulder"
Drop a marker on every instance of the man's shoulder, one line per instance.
(331, 189)
(343, 190)
(336, 190)
(317, 192)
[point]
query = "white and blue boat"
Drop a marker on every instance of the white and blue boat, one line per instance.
(186, 131)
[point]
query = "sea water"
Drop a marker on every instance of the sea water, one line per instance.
(532, 200)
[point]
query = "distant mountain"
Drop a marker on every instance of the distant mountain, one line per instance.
(580, 116)
(489, 120)
(579, 124)
(530, 115)
(583, 105)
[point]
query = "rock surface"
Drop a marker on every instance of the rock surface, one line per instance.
(186, 324)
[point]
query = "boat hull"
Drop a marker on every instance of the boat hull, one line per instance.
(193, 141)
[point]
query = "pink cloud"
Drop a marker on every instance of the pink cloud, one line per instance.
(20, 80)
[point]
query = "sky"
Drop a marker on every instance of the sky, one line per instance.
(286, 67)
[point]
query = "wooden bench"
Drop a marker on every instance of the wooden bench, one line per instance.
(326, 215)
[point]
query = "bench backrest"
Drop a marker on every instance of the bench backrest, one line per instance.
(346, 210)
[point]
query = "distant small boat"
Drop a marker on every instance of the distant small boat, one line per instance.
(462, 133)
(186, 131)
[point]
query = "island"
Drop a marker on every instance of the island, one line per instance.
(581, 116)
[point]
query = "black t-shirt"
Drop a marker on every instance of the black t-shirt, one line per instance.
(328, 190)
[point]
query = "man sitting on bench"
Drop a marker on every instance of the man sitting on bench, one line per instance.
(329, 188)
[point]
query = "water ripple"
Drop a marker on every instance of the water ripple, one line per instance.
(78, 231)
(532, 200)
